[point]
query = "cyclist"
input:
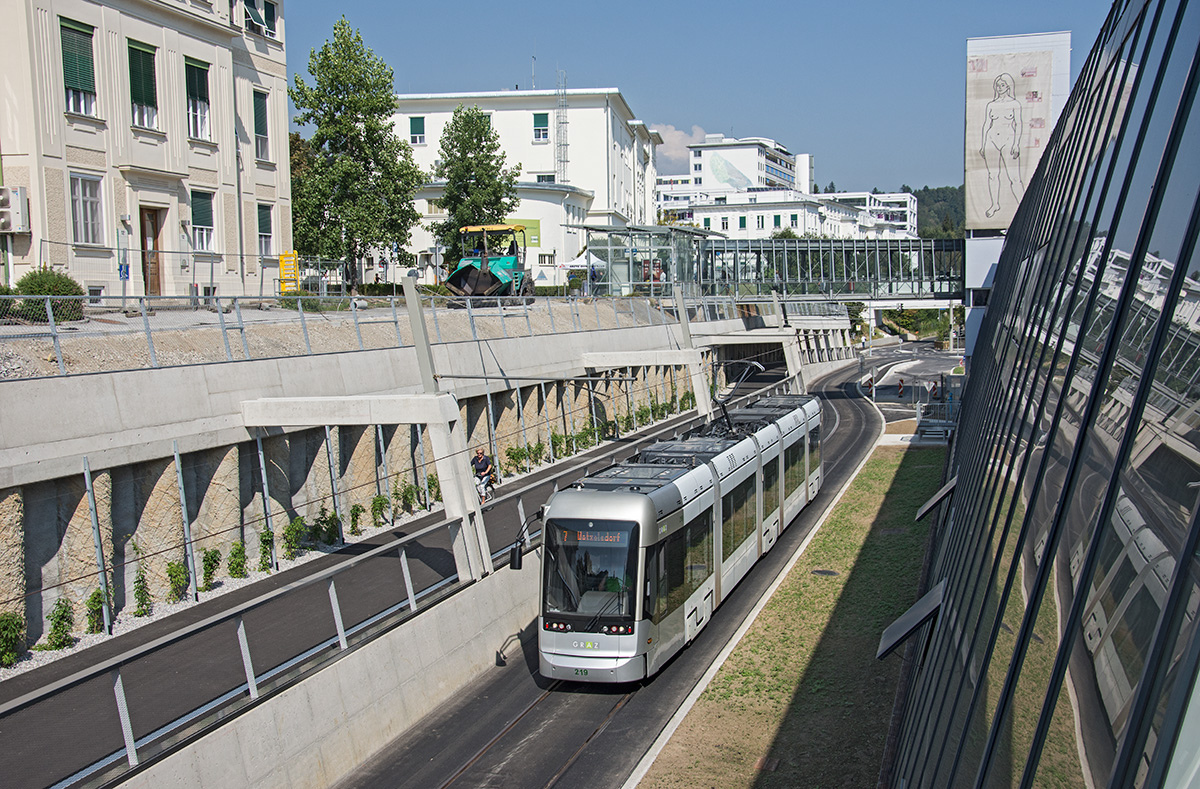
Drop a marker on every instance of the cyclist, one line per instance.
(481, 464)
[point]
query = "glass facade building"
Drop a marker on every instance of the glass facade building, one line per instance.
(1065, 649)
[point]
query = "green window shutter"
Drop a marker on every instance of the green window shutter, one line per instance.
(541, 120)
(251, 7)
(196, 74)
(202, 209)
(707, 223)
(260, 114)
(416, 125)
(141, 75)
(269, 15)
(78, 69)
(264, 220)
(742, 222)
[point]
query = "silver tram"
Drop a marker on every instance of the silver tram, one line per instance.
(636, 557)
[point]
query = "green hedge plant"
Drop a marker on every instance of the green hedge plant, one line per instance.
(236, 563)
(12, 637)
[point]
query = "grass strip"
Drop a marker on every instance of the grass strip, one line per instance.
(802, 701)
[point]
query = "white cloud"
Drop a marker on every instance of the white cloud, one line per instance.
(673, 153)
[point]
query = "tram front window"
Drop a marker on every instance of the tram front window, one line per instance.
(590, 567)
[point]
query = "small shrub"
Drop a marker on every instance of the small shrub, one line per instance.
(311, 302)
(558, 442)
(516, 458)
(266, 542)
(406, 496)
(293, 534)
(627, 423)
(537, 452)
(356, 511)
(94, 608)
(141, 593)
(687, 401)
(46, 282)
(435, 489)
(211, 561)
(12, 637)
(379, 505)
(177, 577)
(645, 415)
(237, 560)
(62, 620)
(332, 528)
(316, 530)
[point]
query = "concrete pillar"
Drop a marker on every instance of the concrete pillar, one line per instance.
(472, 555)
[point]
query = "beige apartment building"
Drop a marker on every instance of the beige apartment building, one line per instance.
(146, 141)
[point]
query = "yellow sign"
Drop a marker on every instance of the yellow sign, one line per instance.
(289, 272)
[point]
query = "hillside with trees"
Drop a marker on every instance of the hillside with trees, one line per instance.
(941, 211)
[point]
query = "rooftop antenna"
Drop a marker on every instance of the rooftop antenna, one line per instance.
(533, 74)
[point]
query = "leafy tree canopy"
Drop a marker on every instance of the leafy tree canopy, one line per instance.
(784, 232)
(353, 190)
(479, 189)
(941, 211)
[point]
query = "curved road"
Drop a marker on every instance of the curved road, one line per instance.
(513, 728)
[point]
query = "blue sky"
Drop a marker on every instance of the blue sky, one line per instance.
(874, 90)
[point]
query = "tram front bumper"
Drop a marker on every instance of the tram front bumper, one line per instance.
(583, 668)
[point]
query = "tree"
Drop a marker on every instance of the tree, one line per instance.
(784, 232)
(479, 189)
(831, 188)
(356, 192)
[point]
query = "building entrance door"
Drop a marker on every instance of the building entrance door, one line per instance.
(151, 250)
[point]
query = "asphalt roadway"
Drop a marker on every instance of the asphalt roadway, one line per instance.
(513, 728)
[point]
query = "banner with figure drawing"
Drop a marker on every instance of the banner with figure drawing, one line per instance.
(1009, 120)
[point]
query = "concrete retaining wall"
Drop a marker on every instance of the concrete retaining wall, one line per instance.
(125, 423)
(316, 732)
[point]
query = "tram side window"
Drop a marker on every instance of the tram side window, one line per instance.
(1131, 637)
(738, 516)
(793, 471)
(699, 551)
(679, 566)
(814, 449)
(770, 486)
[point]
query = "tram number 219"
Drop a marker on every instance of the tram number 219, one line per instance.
(581, 672)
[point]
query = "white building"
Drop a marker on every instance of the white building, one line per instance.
(585, 159)
(149, 140)
(760, 213)
(894, 214)
(721, 165)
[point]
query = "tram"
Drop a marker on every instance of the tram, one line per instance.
(638, 556)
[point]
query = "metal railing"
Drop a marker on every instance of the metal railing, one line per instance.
(44, 336)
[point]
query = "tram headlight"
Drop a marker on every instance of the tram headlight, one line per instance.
(617, 630)
(560, 627)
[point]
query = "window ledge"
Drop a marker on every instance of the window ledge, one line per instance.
(147, 131)
(266, 164)
(96, 249)
(200, 142)
(541, 142)
(88, 120)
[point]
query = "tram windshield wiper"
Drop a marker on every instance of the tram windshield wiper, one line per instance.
(618, 599)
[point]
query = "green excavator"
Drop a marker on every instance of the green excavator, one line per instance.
(493, 263)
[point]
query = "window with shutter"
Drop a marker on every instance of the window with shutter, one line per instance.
(143, 93)
(541, 126)
(79, 73)
(202, 221)
(196, 76)
(416, 131)
(262, 148)
(264, 230)
(268, 19)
